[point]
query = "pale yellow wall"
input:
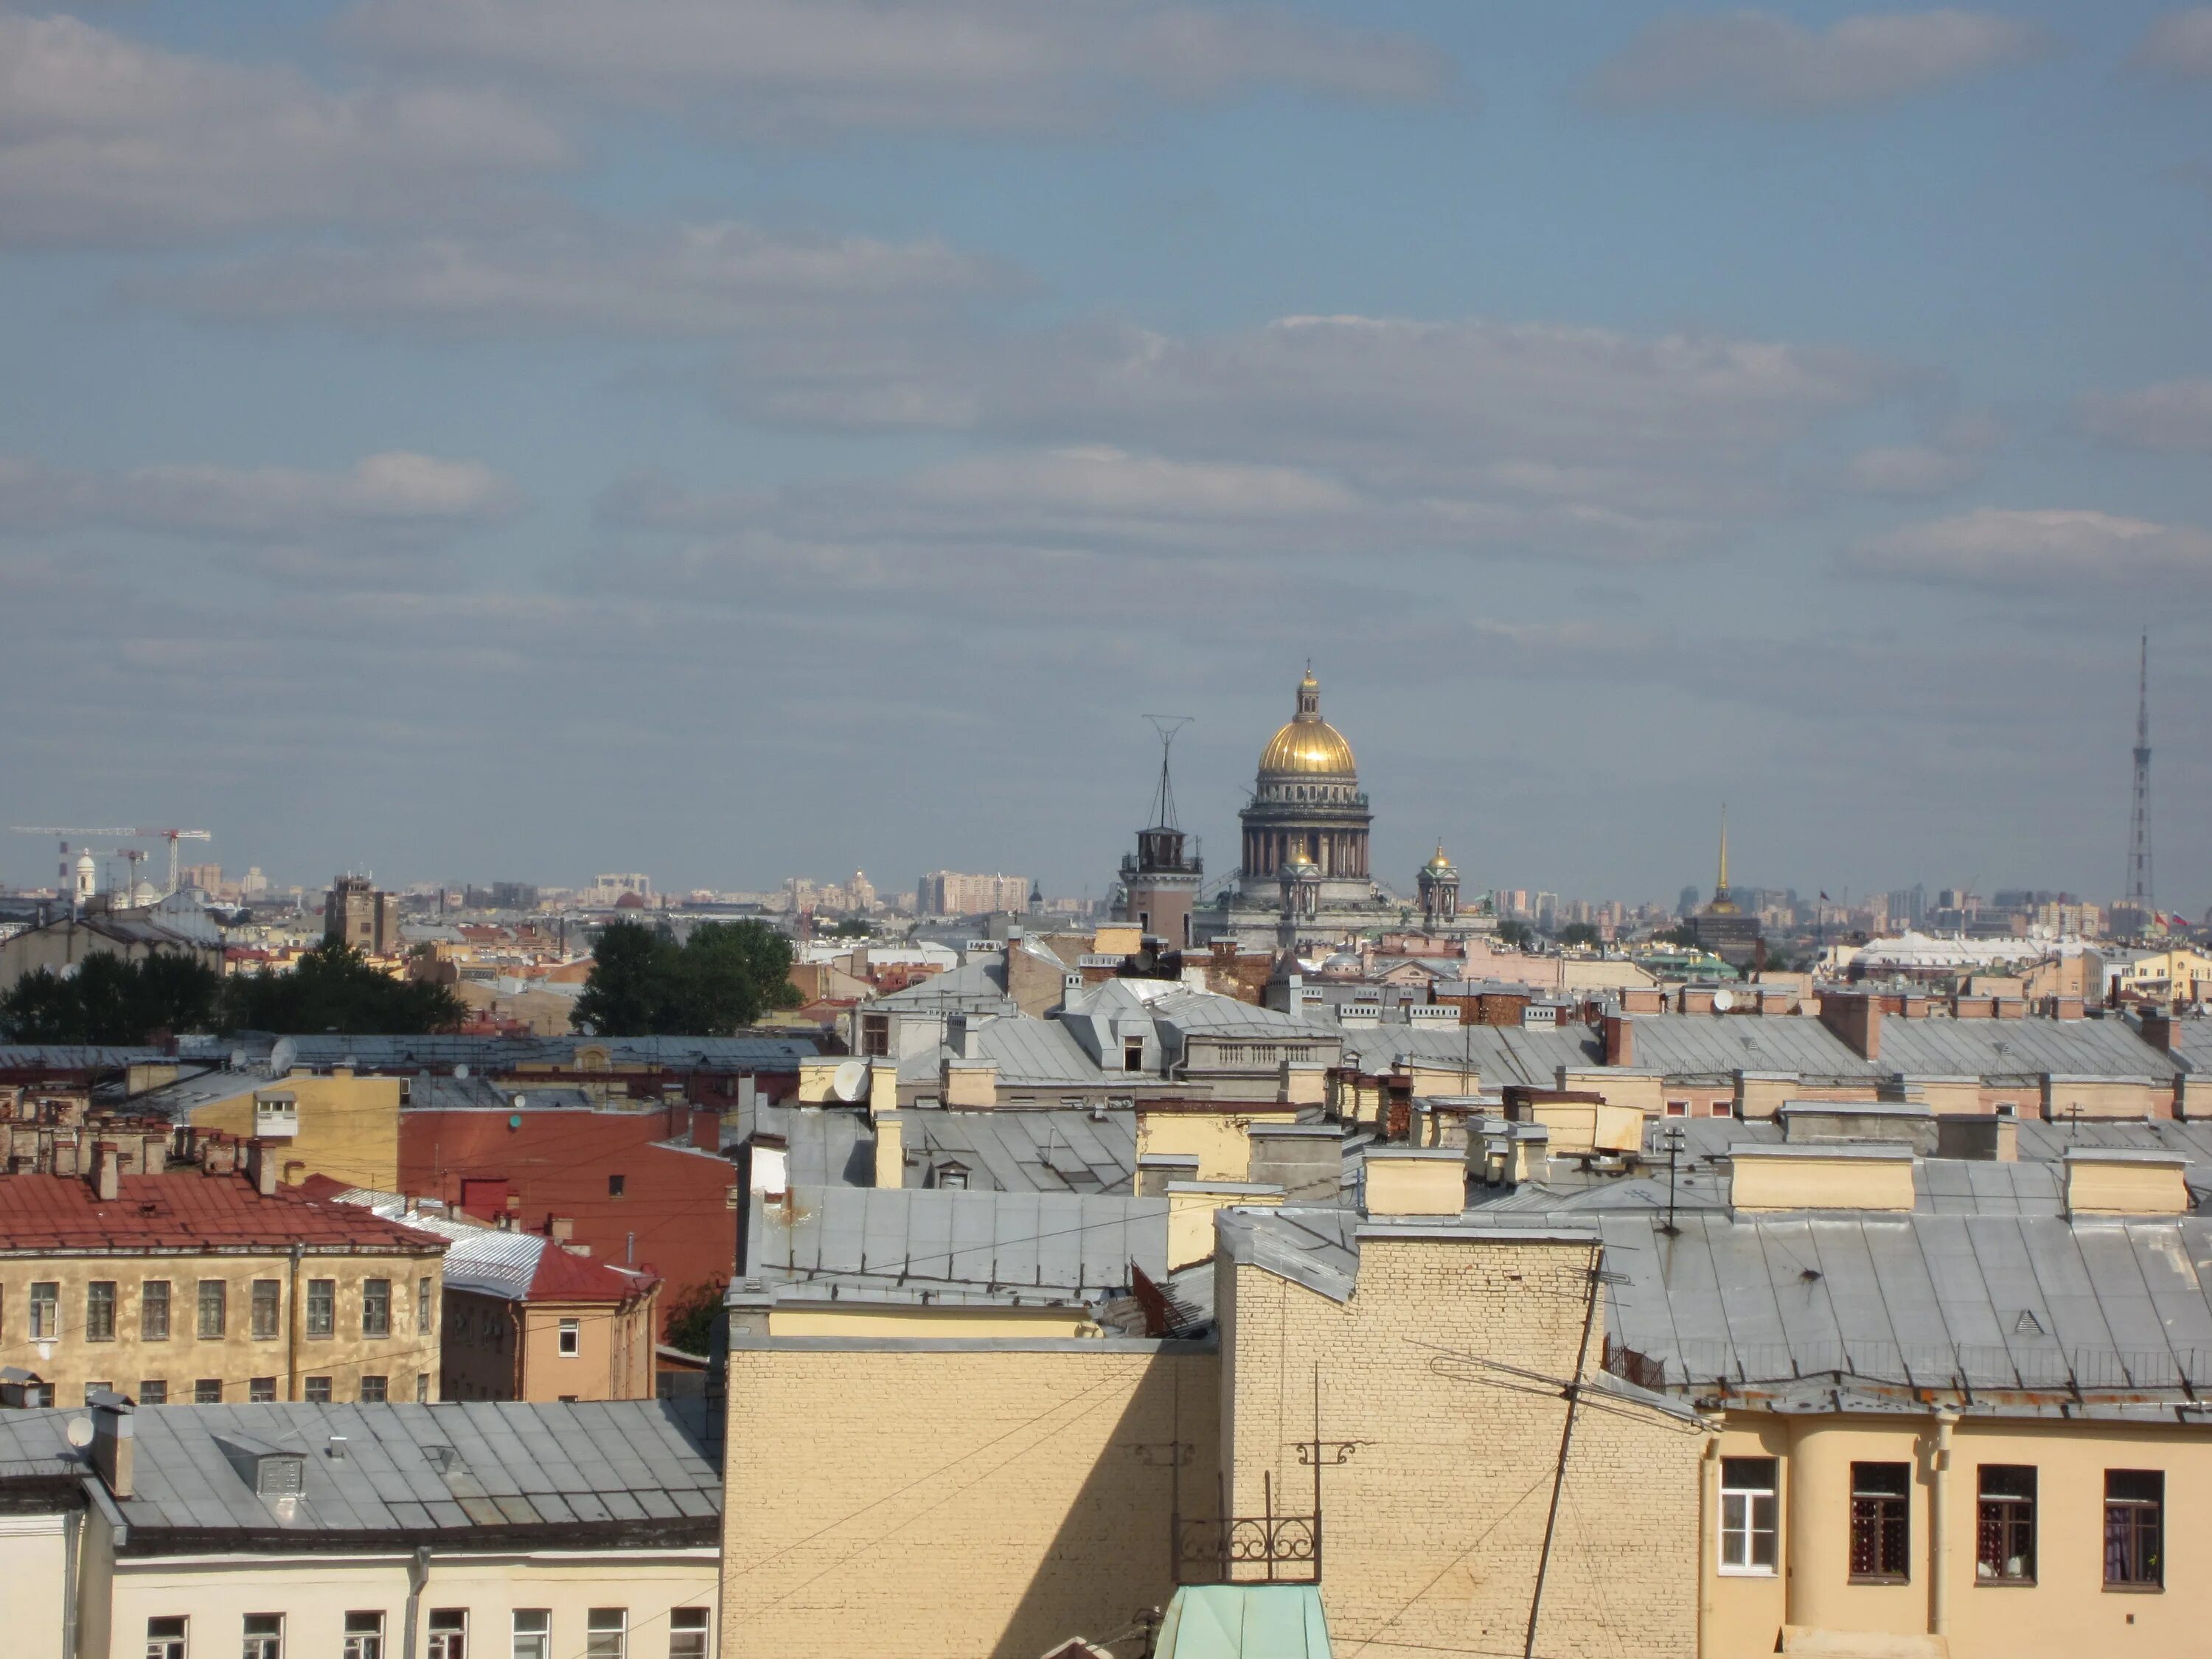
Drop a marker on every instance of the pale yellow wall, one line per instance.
(954, 1501)
(1646, 1091)
(2096, 1097)
(846, 1319)
(614, 1357)
(1435, 1524)
(1824, 1183)
(1576, 1127)
(33, 1574)
(1415, 1186)
(2067, 1611)
(969, 1083)
(236, 1357)
(1191, 1205)
(1217, 1139)
(349, 1128)
(315, 1595)
(2098, 1187)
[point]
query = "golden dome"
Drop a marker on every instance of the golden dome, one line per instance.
(1308, 746)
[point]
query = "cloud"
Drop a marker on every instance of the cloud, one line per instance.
(1951, 457)
(1602, 444)
(1758, 63)
(604, 277)
(809, 65)
(105, 140)
(2002, 547)
(394, 499)
(2173, 418)
(2178, 44)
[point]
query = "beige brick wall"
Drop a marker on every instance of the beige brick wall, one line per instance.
(1433, 1529)
(954, 1499)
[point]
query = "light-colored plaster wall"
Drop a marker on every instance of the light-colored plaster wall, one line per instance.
(1433, 1527)
(34, 1578)
(349, 1128)
(954, 1499)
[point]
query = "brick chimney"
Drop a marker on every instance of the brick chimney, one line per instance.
(2158, 1031)
(1619, 1033)
(261, 1167)
(1856, 1019)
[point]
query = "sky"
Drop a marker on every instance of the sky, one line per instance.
(477, 439)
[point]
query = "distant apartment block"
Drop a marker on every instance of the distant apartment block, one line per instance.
(947, 893)
(355, 914)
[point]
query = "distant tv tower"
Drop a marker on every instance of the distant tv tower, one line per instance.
(2139, 887)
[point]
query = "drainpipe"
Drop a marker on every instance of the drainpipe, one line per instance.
(418, 1575)
(1939, 1535)
(292, 1332)
(1709, 1526)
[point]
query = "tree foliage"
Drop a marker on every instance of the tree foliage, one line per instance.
(1579, 933)
(726, 975)
(110, 998)
(1518, 934)
(333, 988)
(688, 1320)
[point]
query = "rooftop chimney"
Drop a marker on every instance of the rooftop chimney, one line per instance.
(560, 1227)
(2158, 1031)
(105, 1175)
(261, 1167)
(890, 1151)
(1856, 1019)
(1415, 1180)
(1619, 1033)
(114, 1449)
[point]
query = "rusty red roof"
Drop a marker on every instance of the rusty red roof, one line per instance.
(188, 1211)
(562, 1277)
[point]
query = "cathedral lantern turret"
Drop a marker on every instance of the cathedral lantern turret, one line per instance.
(1439, 886)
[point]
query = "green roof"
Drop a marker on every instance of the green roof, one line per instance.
(1244, 1621)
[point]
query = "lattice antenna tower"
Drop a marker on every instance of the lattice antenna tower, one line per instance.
(2139, 872)
(1164, 807)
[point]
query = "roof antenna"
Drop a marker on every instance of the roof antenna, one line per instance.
(1164, 812)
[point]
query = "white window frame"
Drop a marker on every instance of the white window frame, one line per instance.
(262, 1644)
(362, 1640)
(450, 1641)
(166, 1646)
(703, 1630)
(1738, 1522)
(600, 1624)
(570, 1339)
(535, 1627)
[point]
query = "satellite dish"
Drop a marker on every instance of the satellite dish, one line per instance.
(1724, 999)
(850, 1081)
(462, 1071)
(519, 1102)
(79, 1431)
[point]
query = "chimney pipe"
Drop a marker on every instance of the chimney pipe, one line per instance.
(114, 1447)
(1619, 1040)
(261, 1167)
(106, 1178)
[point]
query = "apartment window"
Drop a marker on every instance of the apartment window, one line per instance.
(373, 1391)
(2135, 1530)
(376, 1307)
(153, 1310)
(45, 1310)
(1882, 1524)
(615, 1186)
(154, 1392)
(1132, 1054)
(207, 1391)
(264, 1636)
(449, 1633)
(606, 1633)
(165, 1638)
(319, 1390)
(322, 1307)
(261, 1390)
(100, 1311)
(364, 1636)
(1748, 1514)
(423, 1307)
(1678, 1108)
(268, 1310)
(686, 1634)
(875, 1034)
(572, 1338)
(422, 1389)
(2004, 1540)
(533, 1633)
(213, 1307)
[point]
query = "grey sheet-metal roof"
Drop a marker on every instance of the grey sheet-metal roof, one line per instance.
(2021, 1048)
(1037, 1053)
(77, 1057)
(897, 1243)
(1023, 1152)
(1502, 1054)
(979, 984)
(498, 1054)
(823, 1146)
(482, 1475)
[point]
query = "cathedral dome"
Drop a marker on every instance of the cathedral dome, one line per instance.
(1308, 746)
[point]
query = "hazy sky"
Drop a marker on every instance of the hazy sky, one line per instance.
(489, 438)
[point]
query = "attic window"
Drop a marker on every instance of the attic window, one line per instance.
(2027, 1324)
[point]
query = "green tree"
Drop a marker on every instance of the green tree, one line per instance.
(110, 998)
(726, 975)
(1518, 934)
(688, 1321)
(1579, 933)
(333, 988)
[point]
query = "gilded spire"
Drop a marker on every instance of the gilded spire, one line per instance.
(1722, 886)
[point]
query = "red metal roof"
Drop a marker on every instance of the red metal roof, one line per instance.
(188, 1211)
(562, 1277)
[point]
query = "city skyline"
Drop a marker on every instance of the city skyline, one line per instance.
(433, 439)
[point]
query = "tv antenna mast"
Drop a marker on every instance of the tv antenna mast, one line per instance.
(1163, 810)
(2139, 886)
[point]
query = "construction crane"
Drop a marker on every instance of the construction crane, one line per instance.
(172, 836)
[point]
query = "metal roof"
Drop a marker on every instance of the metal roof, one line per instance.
(498, 1054)
(77, 1057)
(2021, 1048)
(1039, 1053)
(614, 1472)
(1023, 1152)
(914, 1243)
